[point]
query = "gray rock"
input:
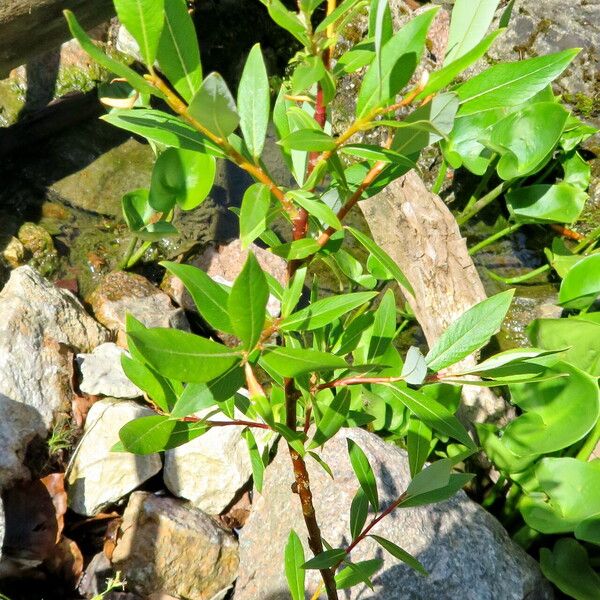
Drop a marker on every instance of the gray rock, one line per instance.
(98, 477)
(166, 546)
(466, 551)
(103, 375)
(40, 327)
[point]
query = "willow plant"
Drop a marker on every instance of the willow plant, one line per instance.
(330, 362)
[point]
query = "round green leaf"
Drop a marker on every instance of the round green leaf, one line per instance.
(581, 286)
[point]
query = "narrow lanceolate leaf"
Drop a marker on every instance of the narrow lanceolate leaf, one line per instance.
(360, 572)
(434, 414)
(384, 327)
(214, 107)
(210, 298)
(359, 510)
(114, 66)
(258, 466)
(144, 20)
(324, 311)
(183, 356)
(364, 473)
(308, 139)
(291, 362)
(294, 559)
(293, 292)
(156, 386)
(470, 331)
(400, 554)
(434, 477)
(333, 416)
(315, 207)
(254, 211)
(418, 442)
(248, 302)
(510, 84)
(470, 22)
(254, 101)
(178, 52)
(382, 257)
(325, 560)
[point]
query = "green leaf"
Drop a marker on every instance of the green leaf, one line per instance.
(364, 473)
(114, 66)
(178, 52)
(162, 128)
(512, 357)
(511, 84)
(139, 216)
(253, 215)
(470, 331)
(214, 107)
(322, 312)
(333, 417)
(414, 369)
(359, 510)
(400, 554)
(326, 559)
(298, 249)
(526, 138)
(384, 327)
(182, 177)
(288, 20)
(382, 257)
(456, 483)
(581, 286)
(294, 559)
(254, 100)
(337, 14)
(313, 140)
(589, 530)
(577, 171)
(258, 466)
(360, 55)
(432, 413)
(295, 439)
(560, 203)
(470, 21)
(557, 413)
(144, 20)
(307, 74)
(399, 59)
(439, 79)
(418, 443)
(373, 152)
(148, 380)
(210, 298)
(291, 362)
(315, 207)
(156, 433)
(248, 302)
(433, 477)
(568, 567)
(293, 292)
(183, 356)
(360, 572)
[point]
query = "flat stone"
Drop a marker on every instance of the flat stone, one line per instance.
(120, 293)
(169, 547)
(466, 551)
(210, 470)
(103, 375)
(99, 477)
(40, 328)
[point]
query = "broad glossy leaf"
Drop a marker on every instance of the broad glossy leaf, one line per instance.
(144, 20)
(291, 362)
(247, 303)
(297, 249)
(382, 257)
(210, 298)
(497, 451)
(556, 413)
(253, 215)
(589, 530)
(112, 65)
(526, 138)
(360, 572)
(470, 21)
(432, 413)
(214, 107)
(315, 207)
(178, 52)
(333, 417)
(182, 177)
(307, 73)
(364, 473)
(148, 435)
(433, 477)
(399, 59)
(141, 217)
(360, 55)
(163, 128)
(326, 559)
(568, 567)
(581, 286)
(511, 84)
(570, 493)
(254, 102)
(183, 356)
(559, 203)
(470, 331)
(456, 483)
(147, 379)
(359, 511)
(418, 443)
(313, 140)
(322, 312)
(580, 338)
(577, 171)
(400, 554)
(294, 559)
